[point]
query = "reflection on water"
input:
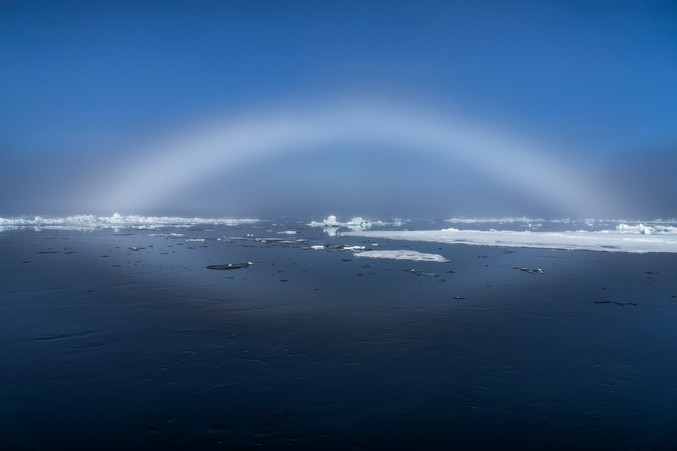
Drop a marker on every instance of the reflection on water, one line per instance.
(116, 338)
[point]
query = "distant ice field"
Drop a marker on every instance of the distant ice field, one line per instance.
(607, 235)
(115, 221)
(564, 234)
(608, 241)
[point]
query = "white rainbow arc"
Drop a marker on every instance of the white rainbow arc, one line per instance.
(224, 146)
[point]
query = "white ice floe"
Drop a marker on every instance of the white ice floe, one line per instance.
(118, 221)
(338, 247)
(202, 240)
(625, 238)
(403, 255)
(288, 232)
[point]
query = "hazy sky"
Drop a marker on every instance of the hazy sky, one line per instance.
(372, 108)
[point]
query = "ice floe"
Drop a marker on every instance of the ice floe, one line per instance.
(623, 239)
(403, 255)
(352, 248)
(338, 247)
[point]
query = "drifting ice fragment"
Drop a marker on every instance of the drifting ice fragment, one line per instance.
(418, 272)
(230, 266)
(403, 255)
(531, 271)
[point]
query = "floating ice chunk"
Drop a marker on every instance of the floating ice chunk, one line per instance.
(529, 270)
(329, 222)
(418, 272)
(358, 224)
(342, 247)
(288, 232)
(317, 247)
(196, 239)
(230, 266)
(403, 255)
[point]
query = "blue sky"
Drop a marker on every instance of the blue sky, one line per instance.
(87, 88)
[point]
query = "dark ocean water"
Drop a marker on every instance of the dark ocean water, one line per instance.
(113, 338)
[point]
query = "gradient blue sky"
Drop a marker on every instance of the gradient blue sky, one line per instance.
(87, 88)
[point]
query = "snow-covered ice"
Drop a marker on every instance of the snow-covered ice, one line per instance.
(331, 224)
(403, 255)
(117, 221)
(625, 238)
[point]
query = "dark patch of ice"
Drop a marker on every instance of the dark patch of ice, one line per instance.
(229, 266)
(622, 304)
(418, 272)
(530, 271)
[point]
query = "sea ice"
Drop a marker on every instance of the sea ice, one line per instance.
(117, 221)
(646, 230)
(490, 220)
(230, 266)
(331, 225)
(623, 239)
(403, 255)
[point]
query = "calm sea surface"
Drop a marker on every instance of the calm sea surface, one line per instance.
(121, 337)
